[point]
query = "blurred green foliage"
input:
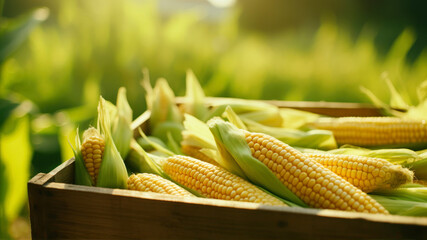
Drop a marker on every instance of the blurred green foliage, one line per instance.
(15, 143)
(88, 48)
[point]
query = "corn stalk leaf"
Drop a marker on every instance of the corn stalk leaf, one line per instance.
(6, 108)
(17, 30)
(15, 160)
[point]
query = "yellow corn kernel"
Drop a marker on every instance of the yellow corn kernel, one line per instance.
(316, 185)
(374, 131)
(92, 150)
(366, 173)
(214, 182)
(147, 182)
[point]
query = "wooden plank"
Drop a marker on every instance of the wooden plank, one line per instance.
(87, 212)
(64, 173)
(37, 196)
(37, 206)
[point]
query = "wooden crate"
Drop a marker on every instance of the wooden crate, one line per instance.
(59, 209)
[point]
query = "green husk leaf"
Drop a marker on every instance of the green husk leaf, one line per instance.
(418, 112)
(270, 117)
(419, 168)
(398, 206)
(145, 144)
(254, 110)
(195, 97)
(173, 144)
(196, 133)
(318, 139)
(112, 173)
(422, 91)
(141, 162)
(164, 108)
(81, 175)
(386, 109)
(227, 160)
(401, 156)
(154, 144)
(121, 130)
(417, 194)
(234, 118)
(145, 83)
(235, 151)
(110, 109)
(162, 129)
(396, 100)
(295, 119)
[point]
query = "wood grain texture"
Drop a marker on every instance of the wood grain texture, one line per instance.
(60, 210)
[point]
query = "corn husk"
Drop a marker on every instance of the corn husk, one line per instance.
(161, 102)
(397, 105)
(234, 150)
(420, 166)
(81, 175)
(254, 110)
(146, 144)
(194, 98)
(197, 134)
(112, 172)
(121, 128)
(296, 119)
(401, 156)
(401, 207)
(165, 115)
(319, 139)
(407, 200)
(232, 117)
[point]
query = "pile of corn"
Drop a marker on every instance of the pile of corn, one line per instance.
(251, 151)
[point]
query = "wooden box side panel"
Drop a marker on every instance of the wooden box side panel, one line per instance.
(77, 212)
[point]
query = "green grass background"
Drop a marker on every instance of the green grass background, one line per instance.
(87, 48)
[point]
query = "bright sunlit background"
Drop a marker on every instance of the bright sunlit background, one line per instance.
(56, 57)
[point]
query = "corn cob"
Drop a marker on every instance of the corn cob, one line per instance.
(194, 152)
(148, 182)
(214, 182)
(374, 131)
(366, 173)
(92, 150)
(310, 181)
